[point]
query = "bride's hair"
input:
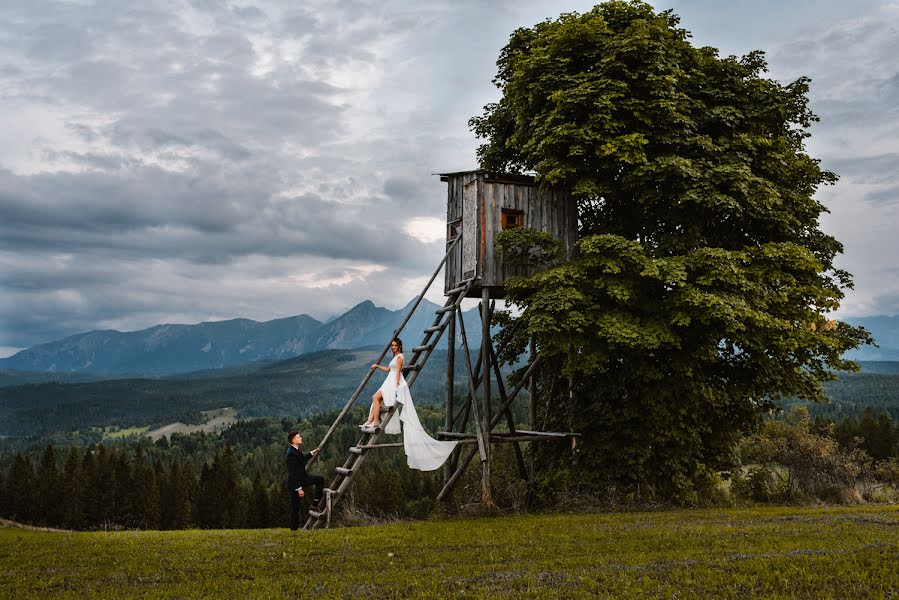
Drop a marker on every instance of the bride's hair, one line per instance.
(399, 344)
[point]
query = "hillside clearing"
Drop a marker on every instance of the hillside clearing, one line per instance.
(216, 420)
(776, 552)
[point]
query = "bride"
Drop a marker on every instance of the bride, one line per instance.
(422, 451)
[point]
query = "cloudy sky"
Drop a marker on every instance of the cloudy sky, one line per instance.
(190, 160)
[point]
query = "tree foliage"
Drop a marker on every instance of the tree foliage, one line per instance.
(700, 285)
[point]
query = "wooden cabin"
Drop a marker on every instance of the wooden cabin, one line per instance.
(480, 204)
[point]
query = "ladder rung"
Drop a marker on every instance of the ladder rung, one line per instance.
(422, 348)
(356, 450)
(370, 429)
(444, 309)
(316, 514)
(457, 289)
(411, 368)
(435, 328)
(344, 472)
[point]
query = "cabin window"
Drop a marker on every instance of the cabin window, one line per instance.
(453, 228)
(512, 218)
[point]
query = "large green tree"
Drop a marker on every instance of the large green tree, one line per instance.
(699, 289)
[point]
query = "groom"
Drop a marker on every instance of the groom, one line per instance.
(297, 477)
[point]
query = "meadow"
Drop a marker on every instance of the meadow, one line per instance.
(818, 552)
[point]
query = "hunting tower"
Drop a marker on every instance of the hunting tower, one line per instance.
(481, 204)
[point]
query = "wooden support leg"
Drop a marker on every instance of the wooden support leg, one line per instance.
(482, 446)
(531, 495)
(510, 420)
(450, 379)
(460, 422)
(472, 389)
(485, 386)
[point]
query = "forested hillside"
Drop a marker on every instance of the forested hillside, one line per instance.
(232, 479)
(302, 386)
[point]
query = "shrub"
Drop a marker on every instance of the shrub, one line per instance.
(806, 464)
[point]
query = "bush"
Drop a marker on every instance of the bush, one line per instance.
(803, 463)
(887, 471)
(756, 485)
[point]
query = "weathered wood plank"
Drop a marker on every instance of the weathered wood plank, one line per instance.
(469, 229)
(490, 274)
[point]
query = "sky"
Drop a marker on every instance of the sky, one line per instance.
(186, 161)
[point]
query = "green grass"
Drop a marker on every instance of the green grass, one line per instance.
(773, 552)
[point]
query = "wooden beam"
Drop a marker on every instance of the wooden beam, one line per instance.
(460, 468)
(390, 445)
(532, 406)
(556, 434)
(510, 421)
(486, 315)
(509, 439)
(483, 447)
(450, 390)
(472, 390)
(507, 435)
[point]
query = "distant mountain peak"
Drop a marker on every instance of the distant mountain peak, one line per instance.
(177, 348)
(425, 303)
(365, 304)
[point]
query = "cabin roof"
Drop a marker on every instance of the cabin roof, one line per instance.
(493, 176)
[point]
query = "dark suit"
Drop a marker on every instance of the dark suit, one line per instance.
(297, 477)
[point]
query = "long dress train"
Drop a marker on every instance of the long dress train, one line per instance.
(422, 451)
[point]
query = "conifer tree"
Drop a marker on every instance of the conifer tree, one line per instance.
(145, 493)
(230, 484)
(186, 497)
(168, 483)
(21, 489)
(209, 514)
(4, 500)
(104, 488)
(258, 516)
(885, 437)
(73, 490)
(124, 504)
(89, 492)
(49, 488)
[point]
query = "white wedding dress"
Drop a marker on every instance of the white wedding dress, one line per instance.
(422, 451)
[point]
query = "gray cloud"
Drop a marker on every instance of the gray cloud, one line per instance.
(177, 163)
(876, 169)
(888, 195)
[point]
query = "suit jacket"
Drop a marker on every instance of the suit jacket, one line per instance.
(296, 468)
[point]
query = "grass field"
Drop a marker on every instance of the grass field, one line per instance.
(849, 552)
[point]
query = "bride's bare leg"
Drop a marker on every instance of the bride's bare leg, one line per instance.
(374, 415)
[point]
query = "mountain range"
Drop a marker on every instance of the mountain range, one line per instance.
(170, 349)
(885, 330)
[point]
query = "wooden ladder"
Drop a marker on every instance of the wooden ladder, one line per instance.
(356, 455)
